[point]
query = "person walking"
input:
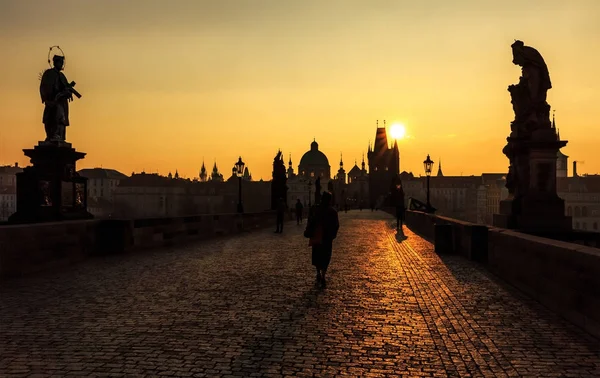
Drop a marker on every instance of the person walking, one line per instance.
(299, 209)
(281, 208)
(322, 229)
(398, 199)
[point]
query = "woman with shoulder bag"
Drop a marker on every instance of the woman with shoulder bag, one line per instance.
(321, 229)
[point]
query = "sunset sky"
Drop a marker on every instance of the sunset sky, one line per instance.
(166, 84)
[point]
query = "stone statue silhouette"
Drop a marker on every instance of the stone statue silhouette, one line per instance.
(528, 97)
(56, 92)
(278, 184)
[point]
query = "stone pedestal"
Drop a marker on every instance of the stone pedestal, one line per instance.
(50, 189)
(533, 204)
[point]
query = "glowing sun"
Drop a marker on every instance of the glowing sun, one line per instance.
(398, 131)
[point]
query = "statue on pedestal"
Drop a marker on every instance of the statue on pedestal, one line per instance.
(51, 189)
(533, 204)
(278, 185)
(56, 93)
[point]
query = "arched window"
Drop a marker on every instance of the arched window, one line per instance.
(595, 226)
(584, 225)
(584, 212)
(577, 211)
(569, 211)
(576, 225)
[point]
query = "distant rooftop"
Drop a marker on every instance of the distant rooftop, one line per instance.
(102, 173)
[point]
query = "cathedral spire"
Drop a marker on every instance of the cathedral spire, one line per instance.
(290, 162)
(341, 160)
(440, 173)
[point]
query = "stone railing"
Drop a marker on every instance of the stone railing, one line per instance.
(28, 248)
(563, 276)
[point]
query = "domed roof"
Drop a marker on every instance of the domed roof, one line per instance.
(314, 157)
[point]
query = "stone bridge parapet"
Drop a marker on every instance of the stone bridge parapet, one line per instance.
(29, 248)
(563, 275)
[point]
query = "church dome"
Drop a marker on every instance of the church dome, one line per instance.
(314, 157)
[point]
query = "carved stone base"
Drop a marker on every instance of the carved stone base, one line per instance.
(50, 189)
(534, 206)
(533, 215)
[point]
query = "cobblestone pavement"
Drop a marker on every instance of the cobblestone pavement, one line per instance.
(247, 306)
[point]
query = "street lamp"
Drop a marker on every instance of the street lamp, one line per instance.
(428, 164)
(309, 185)
(239, 170)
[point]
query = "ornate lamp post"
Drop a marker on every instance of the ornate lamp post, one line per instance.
(309, 186)
(239, 170)
(428, 164)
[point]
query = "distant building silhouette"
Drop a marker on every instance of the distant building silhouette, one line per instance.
(384, 165)
(8, 190)
(357, 188)
(102, 183)
(152, 195)
(315, 164)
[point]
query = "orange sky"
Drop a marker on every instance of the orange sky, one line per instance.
(166, 84)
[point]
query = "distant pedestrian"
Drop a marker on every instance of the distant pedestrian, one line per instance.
(398, 200)
(322, 228)
(299, 210)
(281, 208)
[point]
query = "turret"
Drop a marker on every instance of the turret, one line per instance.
(203, 173)
(363, 164)
(341, 176)
(290, 171)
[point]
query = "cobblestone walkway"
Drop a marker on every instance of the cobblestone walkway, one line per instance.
(247, 307)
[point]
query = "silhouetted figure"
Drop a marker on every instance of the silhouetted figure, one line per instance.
(318, 190)
(281, 208)
(322, 228)
(299, 210)
(56, 92)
